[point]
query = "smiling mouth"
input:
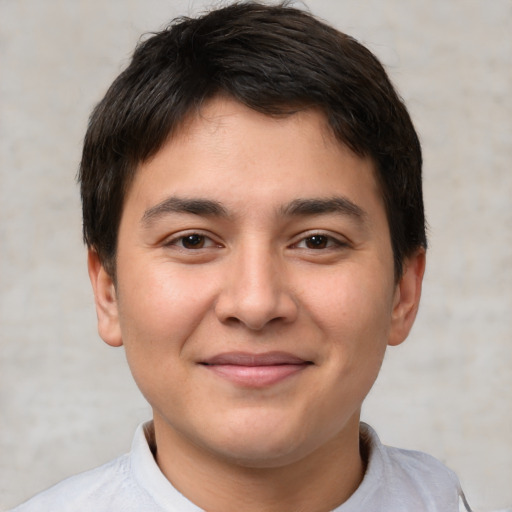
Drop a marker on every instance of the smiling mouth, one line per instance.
(255, 370)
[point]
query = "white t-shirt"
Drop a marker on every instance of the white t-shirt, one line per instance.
(395, 481)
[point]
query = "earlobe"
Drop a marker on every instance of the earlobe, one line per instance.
(105, 298)
(407, 297)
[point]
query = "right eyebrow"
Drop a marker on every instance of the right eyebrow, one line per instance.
(194, 206)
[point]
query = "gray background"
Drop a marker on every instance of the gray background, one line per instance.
(67, 400)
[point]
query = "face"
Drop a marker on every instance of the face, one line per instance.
(255, 290)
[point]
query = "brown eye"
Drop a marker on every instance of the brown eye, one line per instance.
(317, 242)
(193, 241)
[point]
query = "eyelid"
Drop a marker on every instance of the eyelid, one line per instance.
(335, 240)
(174, 239)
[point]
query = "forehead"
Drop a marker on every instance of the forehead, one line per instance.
(218, 120)
(229, 152)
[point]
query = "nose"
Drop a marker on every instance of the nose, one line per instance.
(256, 291)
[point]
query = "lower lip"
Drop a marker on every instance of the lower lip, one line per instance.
(256, 376)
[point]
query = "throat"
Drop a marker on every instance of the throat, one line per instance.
(317, 482)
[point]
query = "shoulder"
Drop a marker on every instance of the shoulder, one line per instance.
(411, 463)
(427, 479)
(414, 465)
(130, 483)
(87, 491)
(403, 480)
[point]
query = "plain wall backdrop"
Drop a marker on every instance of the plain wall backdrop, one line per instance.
(67, 401)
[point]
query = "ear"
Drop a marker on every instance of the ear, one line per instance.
(105, 298)
(407, 297)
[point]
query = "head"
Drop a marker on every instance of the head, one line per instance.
(276, 60)
(252, 204)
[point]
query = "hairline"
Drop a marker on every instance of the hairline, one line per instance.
(283, 109)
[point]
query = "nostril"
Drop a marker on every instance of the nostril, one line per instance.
(232, 320)
(255, 298)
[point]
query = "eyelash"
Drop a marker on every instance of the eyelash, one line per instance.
(321, 241)
(330, 241)
(179, 241)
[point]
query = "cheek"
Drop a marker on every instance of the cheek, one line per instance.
(352, 300)
(353, 310)
(159, 315)
(162, 309)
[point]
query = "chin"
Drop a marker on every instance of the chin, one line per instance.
(261, 445)
(263, 456)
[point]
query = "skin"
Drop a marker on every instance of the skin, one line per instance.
(285, 250)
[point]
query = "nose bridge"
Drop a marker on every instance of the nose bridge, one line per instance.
(256, 290)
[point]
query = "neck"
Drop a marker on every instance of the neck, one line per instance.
(317, 482)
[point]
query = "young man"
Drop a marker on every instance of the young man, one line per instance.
(252, 206)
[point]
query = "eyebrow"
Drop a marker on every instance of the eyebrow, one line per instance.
(211, 208)
(203, 207)
(321, 206)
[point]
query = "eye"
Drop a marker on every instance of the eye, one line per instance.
(192, 241)
(319, 241)
(316, 242)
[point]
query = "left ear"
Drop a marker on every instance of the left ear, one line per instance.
(407, 297)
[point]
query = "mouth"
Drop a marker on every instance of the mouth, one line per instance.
(255, 370)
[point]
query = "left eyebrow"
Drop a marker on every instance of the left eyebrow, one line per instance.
(321, 206)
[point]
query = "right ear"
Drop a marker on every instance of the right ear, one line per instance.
(105, 298)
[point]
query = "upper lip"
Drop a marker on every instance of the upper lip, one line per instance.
(250, 359)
